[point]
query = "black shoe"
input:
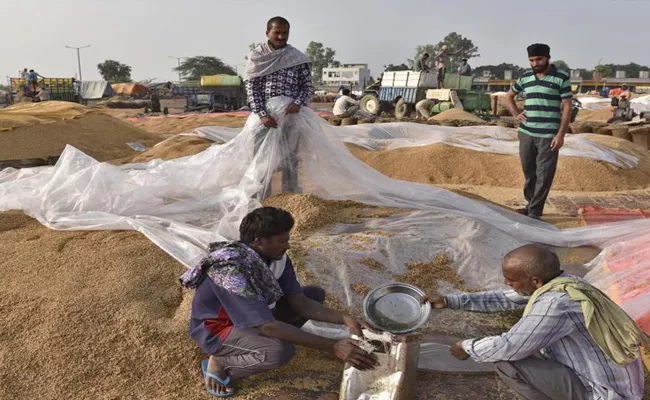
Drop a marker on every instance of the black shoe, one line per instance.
(535, 217)
(522, 211)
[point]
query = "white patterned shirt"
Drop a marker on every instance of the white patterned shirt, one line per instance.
(555, 328)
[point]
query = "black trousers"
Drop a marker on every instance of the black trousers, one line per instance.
(539, 164)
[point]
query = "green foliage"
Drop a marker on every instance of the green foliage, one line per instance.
(114, 71)
(321, 57)
(193, 68)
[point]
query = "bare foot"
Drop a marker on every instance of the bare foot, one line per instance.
(214, 385)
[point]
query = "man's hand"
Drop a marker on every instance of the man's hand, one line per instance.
(355, 326)
(268, 122)
(458, 352)
(293, 108)
(437, 302)
(557, 143)
(521, 117)
(348, 351)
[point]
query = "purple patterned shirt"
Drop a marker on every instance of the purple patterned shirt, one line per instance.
(294, 82)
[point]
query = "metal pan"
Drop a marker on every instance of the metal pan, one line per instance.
(396, 308)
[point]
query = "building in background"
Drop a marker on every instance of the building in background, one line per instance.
(352, 76)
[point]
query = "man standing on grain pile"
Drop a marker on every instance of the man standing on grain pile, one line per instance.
(274, 69)
(572, 343)
(542, 125)
(248, 307)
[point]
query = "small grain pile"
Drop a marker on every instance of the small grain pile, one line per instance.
(443, 164)
(100, 136)
(173, 147)
(425, 275)
(372, 263)
(312, 213)
(187, 123)
(360, 288)
(457, 117)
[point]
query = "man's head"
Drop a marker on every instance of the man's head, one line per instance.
(425, 56)
(539, 56)
(527, 268)
(31, 70)
(277, 32)
(464, 60)
(267, 230)
(624, 86)
(345, 92)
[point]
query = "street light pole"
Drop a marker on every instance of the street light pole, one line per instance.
(179, 67)
(78, 57)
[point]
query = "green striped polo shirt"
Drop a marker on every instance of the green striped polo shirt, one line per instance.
(543, 101)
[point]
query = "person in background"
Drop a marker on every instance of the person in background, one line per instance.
(423, 63)
(43, 94)
(465, 69)
(572, 343)
(542, 125)
(625, 92)
(345, 106)
(248, 306)
(423, 108)
(275, 69)
(32, 79)
(441, 63)
(23, 74)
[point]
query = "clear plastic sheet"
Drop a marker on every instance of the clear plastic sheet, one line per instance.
(183, 204)
(622, 270)
(492, 139)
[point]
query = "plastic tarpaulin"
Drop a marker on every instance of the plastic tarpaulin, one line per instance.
(92, 90)
(129, 89)
(186, 203)
(493, 139)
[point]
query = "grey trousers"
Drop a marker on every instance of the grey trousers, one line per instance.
(350, 112)
(246, 352)
(535, 378)
(539, 164)
(289, 144)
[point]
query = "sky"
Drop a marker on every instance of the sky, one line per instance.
(144, 33)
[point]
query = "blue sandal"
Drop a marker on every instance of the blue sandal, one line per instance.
(224, 382)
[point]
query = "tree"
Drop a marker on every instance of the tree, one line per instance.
(631, 70)
(498, 71)
(114, 71)
(454, 42)
(393, 67)
(194, 67)
(419, 52)
(606, 71)
(561, 64)
(321, 57)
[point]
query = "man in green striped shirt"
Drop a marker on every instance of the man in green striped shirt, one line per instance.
(542, 125)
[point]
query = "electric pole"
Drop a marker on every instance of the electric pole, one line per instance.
(179, 67)
(78, 57)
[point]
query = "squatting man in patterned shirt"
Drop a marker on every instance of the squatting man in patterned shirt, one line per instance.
(248, 306)
(572, 343)
(274, 69)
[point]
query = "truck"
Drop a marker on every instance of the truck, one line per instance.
(212, 93)
(62, 89)
(401, 90)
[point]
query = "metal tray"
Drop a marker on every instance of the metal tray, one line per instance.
(396, 308)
